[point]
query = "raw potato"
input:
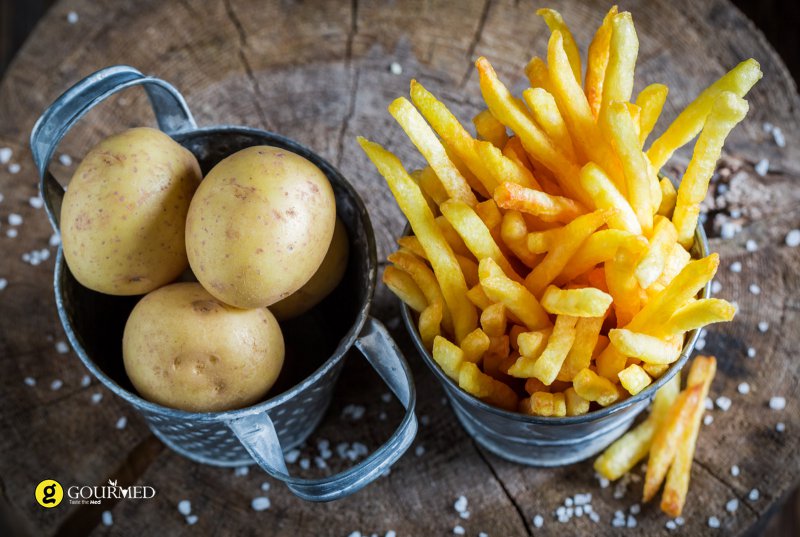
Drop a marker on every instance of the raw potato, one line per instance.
(185, 349)
(322, 283)
(123, 215)
(259, 226)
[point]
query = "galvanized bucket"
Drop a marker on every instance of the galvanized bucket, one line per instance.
(316, 342)
(547, 441)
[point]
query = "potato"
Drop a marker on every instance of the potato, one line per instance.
(322, 283)
(259, 226)
(184, 349)
(123, 215)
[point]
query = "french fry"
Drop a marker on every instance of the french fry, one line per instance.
(431, 186)
(701, 374)
(540, 404)
(493, 320)
(697, 314)
(537, 74)
(555, 22)
(651, 101)
(548, 364)
(425, 280)
(402, 285)
(514, 233)
(669, 196)
(570, 239)
(584, 302)
(634, 379)
(618, 127)
(727, 111)
(476, 235)
(488, 128)
(477, 296)
(504, 169)
(452, 237)
(545, 111)
(677, 259)
(621, 456)
(432, 149)
(488, 212)
(466, 173)
(622, 283)
(592, 387)
(688, 124)
(587, 331)
(559, 405)
(516, 297)
(575, 404)
(623, 49)
(502, 396)
(655, 370)
(532, 344)
(600, 247)
(606, 195)
(474, 345)
(645, 347)
(440, 255)
(610, 362)
(533, 385)
(448, 355)
(548, 208)
(597, 61)
(429, 322)
(654, 260)
(473, 381)
(539, 242)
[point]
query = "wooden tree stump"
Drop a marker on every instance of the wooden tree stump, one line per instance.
(319, 72)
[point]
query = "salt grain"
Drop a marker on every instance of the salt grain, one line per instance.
(461, 504)
(754, 495)
(292, 456)
(185, 507)
(14, 168)
(3, 283)
(780, 427)
(713, 522)
(14, 219)
(56, 384)
(708, 419)
(72, 17)
(261, 503)
(735, 471)
(700, 345)
(65, 159)
(305, 464)
(392, 533)
(241, 471)
(680, 521)
(793, 238)
(538, 521)
(763, 326)
(777, 135)
(458, 530)
(716, 287)
(122, 422)
(96, 398)
(62, 347)
(631, 522)
(30, 381)
(386, 397)
(762, 167)
(670, 525)
(191, 520)
(464, 515)
(751, 352)
(751, 245)
(736, 266)
(743, 388)
(353, 412)
(85, 381)
(419, 451)
(5, 155)
(723, 403)
(709, 404)
(755, 289)
(36, 202)
(265, 486)
(395, 68)
(732, 505)
(777, 403)
(108, 518)
(11, 233)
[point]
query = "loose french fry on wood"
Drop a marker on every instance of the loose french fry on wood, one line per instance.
(545, 111)
(548, 363)
(651, 101)
(488, 128)
(597, 62)
(584, 302)
(527, 200)
(579, 357)
(404, 286)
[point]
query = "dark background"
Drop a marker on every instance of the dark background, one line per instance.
(778, 19)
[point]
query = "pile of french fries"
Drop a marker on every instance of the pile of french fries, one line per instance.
(549, 263)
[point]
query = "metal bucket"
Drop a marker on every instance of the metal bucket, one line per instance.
(550, 441)
(316, 342)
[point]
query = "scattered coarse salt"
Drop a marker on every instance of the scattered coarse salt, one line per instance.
(5, 155)
(709, 404)
(780, 426)
(65, 159)
(568, 502)
(754, 495)
(767, 126)
(743, 388)
(62, 347)
(751, 352)
(793, 238)
(260, 503)
(538, 521)
(419, 451)
(424, 420)
(458, 530)
(192, 520)
(72, 17)
(14, 168)
(461, 504)
(265, 486)
(395, 68)
(382, 416)
(97, 397)
(292, 456)
(713, 522)
(701, 344)
(464, 515)
(85, 381)
(777, 135)
(635, 509)
(763, 326)
(241, 471)
(305, 464)
(735, 471)
(762, 167)
(55, 240)
(732, 505)
(56, 384)
(30, 381)
(122, 422)
(736, 266)
(108, 518)
(708, 419)
(185, 507)
(386, 397)
(716, 287)
(631, 523)
(11, 233)
(751, 245)
(3, 283)
(583, 499)
(320, 463)
(353, 412)
(603, 481)
(728, 229)
(392, 533)
(355, 534)
(680, 521)
(36, 202)
(723, 403)
(14, 219)
(777, 403)
(670, 525)
(755, 289)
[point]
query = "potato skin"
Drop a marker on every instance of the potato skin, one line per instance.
(184, 349)
(259, 226)
(324, 280)
(123, 215)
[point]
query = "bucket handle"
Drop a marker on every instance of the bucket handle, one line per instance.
(257, 432)
(169, 106)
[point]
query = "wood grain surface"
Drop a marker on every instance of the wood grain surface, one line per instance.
(319, 72)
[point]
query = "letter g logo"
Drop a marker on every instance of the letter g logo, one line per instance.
(49, 493)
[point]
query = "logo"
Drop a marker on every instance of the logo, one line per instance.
(49, 493)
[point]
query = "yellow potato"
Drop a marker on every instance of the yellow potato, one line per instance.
(122, 219)
(259, 226)
(322, 283)
(185, 349)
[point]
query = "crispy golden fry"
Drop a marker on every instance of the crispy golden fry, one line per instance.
(606, 195)
(651, 101)
(518, 300)
(478, 297)
(636, 114)
(539, 242)
(488, 212)
(514, 233)
(738, 80)
(584, 302)
(431, 186)
(610, 362)
(678, 258)
(473, 381)
(621, 456)
(489, 129)
(403, 285)
(545, 111)
(634, 379)
(559, 405)
(475, 345)
(623, 50)
(532, 344)
(493, 320)
(464, 170)
(537, 74)
(533, 385)
(504, 169)
(587, 331)
(655, 370)
(548, 364)
(622, 283)
(654, 260)
(469, 267)
(645, 347)
(669, 196)
(411, 244)
(440, 255)
(592, 387)
(667, 437)
(618, 127)
(476, 235)
(448, 355)
(432, 149)
(502, 396)
(548, 208)
(430, 321)
(538, 404)
(452, 237)
(598, 248)
(697, 314)
(597, 61)
(570, 238)
(425, 279)
(575, 404)
(555, 22)
(727, 111)
(701, 374)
